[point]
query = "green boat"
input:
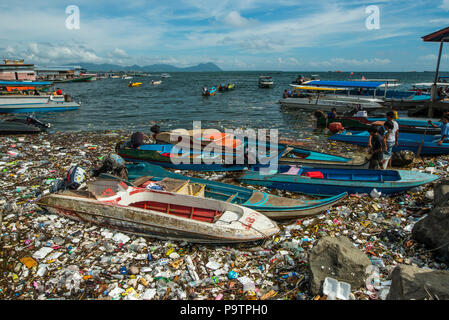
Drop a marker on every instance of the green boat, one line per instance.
(274, 207)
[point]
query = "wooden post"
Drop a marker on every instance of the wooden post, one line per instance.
(433, 90)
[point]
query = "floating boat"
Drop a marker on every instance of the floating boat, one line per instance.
(326, 182)
(134, 84)
(323, 95)
(160, 214)
(156, 82)
(266, 82)
(37, 102)
(406, 141)
(29, 125)
(209, 92)
(274, 207)
(87, 78)
(171, 156)
(165, 75)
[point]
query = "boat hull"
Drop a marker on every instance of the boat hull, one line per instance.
(39, 107)
(326, 104)
(274, 207)
(328, 186)
(150, 223)
(406, 141)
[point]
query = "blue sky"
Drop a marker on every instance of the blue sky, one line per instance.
(287, 35)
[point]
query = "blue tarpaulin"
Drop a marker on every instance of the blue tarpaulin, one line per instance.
(346, 84)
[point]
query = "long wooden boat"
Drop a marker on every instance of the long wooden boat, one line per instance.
(79, 79)
(363, 123)
(160, 214)
(272, 206)
(318, 181)
(406, 141)
(292, 155)
(170, 156)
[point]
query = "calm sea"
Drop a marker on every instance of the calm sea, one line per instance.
(111, 104)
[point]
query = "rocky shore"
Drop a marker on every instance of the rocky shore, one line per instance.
(382, 247)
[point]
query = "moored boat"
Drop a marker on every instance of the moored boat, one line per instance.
(160, 214)
(266, 82)
(406, 141)
(325, 182)
(274, 207)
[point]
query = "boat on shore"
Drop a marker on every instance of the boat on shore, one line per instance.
(28, 125)
(406, 141)
(327, 182)
(364, 123)
(274, 207)
(171, 156)
(292, 155)
(160, 214)
(266, 82)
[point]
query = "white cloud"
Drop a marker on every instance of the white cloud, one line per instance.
(234, 19)
(444, 5)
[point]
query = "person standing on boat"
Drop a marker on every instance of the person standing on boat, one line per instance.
(376, 149)
(393, 136)
(444, 126)
(388, 131)
(58, 91)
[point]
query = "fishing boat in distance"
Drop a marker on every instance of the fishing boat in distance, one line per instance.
(208, 92)
(274, 207)
(134, 84)
(266, 82)
(29, 96)
(155, 82)
(160, 214)
(327, 181)
(165, 75)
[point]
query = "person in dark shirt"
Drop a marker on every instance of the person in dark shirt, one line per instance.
(376, 149)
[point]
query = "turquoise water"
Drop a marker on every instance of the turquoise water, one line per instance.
(110, 104)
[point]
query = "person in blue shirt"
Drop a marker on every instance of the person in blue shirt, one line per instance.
(444, 126)
(332, 114)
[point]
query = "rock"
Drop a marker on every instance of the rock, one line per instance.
(441, 193)
(402, 158)
(339, 259)
(410, 282)
(432, 231)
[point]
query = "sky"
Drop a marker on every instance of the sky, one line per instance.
(284, 35)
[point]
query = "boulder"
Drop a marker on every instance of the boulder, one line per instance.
(413, 283)
(433, 231)
(441, 193)
(336, 257)
(402, 158)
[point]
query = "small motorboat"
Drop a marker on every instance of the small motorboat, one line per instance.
(274, 207)
(160, 214)
(134, 84)
(165, 75)
(327, 181)
(155, 82)
(266, 82)
(209, 92)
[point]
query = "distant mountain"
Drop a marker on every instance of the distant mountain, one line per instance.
(150, 68)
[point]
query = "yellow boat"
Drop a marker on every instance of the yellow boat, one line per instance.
(134, 84)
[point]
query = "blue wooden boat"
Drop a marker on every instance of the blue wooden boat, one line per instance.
(406, 141)
(407, 122)
(170, 156)
(325, 182)
(274, 207)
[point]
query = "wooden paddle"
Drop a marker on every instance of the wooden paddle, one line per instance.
(421, 144)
